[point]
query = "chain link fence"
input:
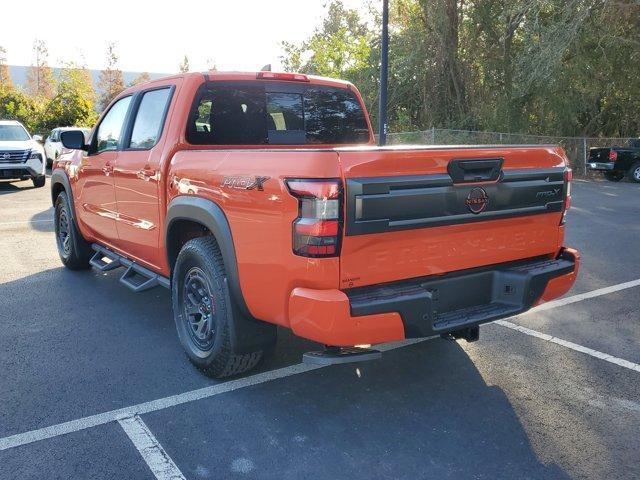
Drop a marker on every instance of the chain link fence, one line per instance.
(577, 148)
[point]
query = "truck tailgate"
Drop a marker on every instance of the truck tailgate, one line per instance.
(417, 211)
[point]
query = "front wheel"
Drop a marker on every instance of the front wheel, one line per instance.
(614, 176)
(75, 252)
(204, 313)
(634, 172)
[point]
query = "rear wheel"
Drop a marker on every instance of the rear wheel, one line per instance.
(634, 172)
(205, 315)
(74, 250)
(614, 176)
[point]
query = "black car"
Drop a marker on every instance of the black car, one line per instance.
(616, 162)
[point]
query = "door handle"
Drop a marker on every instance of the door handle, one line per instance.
(146, 173)
(107, 169)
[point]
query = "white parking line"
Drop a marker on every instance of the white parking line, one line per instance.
(193, 395)
(167, 402)
(152, 452)
(573, 346)
(584, 296)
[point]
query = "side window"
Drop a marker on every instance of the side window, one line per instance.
(148, 122)
(229, 116)
(334, 116)
(110, 129)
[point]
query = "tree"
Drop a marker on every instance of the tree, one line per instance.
(343, 46)
(5, 77)
(528, 66)
(184, 65)
(111, 81)
(73, 104)
(16, 105)
(40, 80)
(144, 77)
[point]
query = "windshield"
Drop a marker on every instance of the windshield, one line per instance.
(13, 133)
(245, 113)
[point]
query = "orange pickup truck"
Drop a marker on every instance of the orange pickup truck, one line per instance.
(261, 200)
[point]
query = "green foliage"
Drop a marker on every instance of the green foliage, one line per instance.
(344, 46)
(15, 105)
(559, 67)
(73, 104)
(70, 104)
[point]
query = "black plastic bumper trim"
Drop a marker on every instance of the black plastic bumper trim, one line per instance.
(435, 305)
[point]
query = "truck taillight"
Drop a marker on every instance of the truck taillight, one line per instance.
(568, 177)
(288, 77)
(317, 230)
(613, 155)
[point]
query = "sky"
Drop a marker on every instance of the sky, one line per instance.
(154, 36)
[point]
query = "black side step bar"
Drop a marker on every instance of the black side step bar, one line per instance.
(339, 355)
(136, 277)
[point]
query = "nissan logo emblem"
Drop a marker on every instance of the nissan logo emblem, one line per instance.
(477, 200)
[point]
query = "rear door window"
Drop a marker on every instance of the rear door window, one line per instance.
(246, 114)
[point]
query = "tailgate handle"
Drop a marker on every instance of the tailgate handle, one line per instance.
(477, 170)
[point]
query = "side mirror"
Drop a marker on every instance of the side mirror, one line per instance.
(37, 138)
(73, 139)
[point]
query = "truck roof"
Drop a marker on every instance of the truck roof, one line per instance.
(215, 75)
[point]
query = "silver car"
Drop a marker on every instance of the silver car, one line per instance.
(53, 146)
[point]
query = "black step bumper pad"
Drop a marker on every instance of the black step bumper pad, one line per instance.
(435, 305)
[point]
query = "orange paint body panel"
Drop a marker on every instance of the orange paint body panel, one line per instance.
(323, 316)
(557, 287)
(261, 221)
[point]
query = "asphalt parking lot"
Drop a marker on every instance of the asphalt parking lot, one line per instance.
(94, 383)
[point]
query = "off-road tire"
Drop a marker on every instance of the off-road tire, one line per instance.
(39, 181)
(614, 176)
(75, 252)
(216, 355)
(634, 173)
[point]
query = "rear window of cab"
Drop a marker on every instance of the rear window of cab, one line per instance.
(275, 113)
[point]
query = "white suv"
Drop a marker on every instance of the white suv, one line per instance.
(21, 156)
(53, 146)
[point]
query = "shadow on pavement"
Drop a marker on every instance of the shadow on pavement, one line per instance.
(421, 412)
(43, 221)
(7, 187)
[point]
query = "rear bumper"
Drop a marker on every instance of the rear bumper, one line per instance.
(430, 305)
(607, 167)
